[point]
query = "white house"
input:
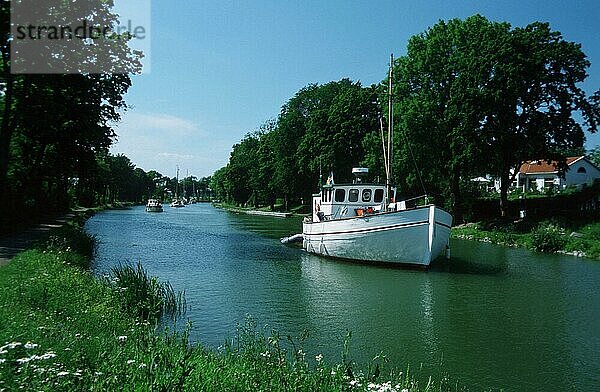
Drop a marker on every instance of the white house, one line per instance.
(541, 175)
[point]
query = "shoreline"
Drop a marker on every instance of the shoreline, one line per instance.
(576, 240)
(239, 210)
(12, 244)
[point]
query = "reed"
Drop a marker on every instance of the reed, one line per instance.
(144, 296)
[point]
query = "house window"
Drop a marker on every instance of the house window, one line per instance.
(366, 195)
(378, 196)
(353, 195)
(581, 170)
(548, 183)
(533, 184)
(340, 195)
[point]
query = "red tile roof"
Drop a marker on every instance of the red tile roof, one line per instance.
(543, 166)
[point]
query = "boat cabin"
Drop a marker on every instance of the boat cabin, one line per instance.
(350, 200)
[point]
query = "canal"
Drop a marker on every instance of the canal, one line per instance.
(492, 317)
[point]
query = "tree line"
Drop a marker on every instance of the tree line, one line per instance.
(56, 130)
(116, 179)
(471, 98)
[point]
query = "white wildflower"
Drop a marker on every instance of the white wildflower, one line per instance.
(266, 354)
(48, 355)
(141, 366)
(332, 372)
(355, 383)
(21, 361)
(30, 345)
(319, 357)
(11, 345)
(2, 360)
(63, 373)
(130, 361)
(122, 338)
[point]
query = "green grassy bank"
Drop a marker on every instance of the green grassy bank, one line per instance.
(61, 328)
(577, 237)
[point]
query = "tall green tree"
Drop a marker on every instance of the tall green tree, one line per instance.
(59, 122)
(437, 91)
(477, 97)
(321, 129)
(532, 100)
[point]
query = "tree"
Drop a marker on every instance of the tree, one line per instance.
(321, 129)
(61, 122)
(219, 183)
(532, 96)
(437, 95)
(477, 97)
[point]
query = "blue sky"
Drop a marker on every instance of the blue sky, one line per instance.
(219, 69)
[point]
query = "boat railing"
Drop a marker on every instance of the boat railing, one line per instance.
(411, 202)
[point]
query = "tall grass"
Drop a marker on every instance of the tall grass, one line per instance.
(144, 296)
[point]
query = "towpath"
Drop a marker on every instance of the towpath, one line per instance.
(13, 244)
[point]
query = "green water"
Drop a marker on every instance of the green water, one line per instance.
(492, 317)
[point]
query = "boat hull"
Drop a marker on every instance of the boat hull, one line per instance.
(413, 237)
(154, 209)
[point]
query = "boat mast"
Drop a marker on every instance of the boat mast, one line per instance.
(177, 183)
(390, 145)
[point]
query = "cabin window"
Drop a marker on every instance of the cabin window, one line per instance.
(340, 195)
(366, 195)
(378, 196)
(581, 170)
(353, 195)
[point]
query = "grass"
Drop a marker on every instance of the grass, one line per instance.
(61, 328)
(579, 237)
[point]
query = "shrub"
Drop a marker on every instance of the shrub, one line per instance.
(547, 237)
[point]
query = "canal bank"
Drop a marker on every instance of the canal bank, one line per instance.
(576, 238)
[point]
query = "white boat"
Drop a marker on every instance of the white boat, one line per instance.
(177, 203)
(366, 222)
(351, 221)
(154, 205)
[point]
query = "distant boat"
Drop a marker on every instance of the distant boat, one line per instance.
(154, 205)
(367, 222)
(177, 202)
